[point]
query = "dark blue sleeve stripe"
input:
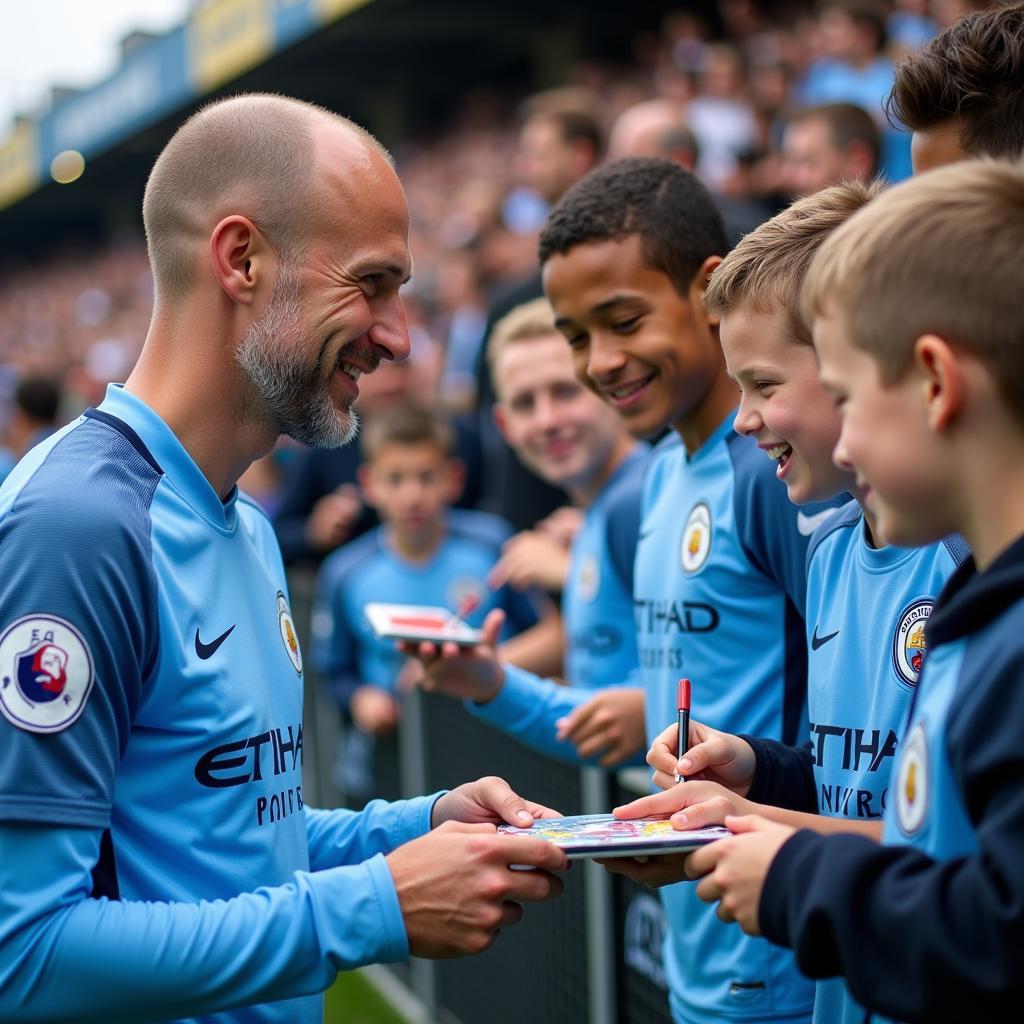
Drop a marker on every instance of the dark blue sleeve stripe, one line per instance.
(958, 548)
(129, 434)
(794, 706)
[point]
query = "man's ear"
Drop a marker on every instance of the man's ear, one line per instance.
(364, 476)
(700, 283)
(455, 470)
(500, 418)
(943, 383)
(241, 258)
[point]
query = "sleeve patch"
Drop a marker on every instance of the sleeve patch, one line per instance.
(46, 673)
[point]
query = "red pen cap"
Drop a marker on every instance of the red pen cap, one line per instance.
(684, 695)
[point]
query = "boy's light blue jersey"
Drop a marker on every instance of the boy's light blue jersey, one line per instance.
(151, 751)
(347, 650)
(719, 589)
(866, 612)
(597, 603)
(597, 611)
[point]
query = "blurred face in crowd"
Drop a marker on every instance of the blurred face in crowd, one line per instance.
(811, 161)
(410, 486)
(845, 38)
(336, 314)
(558, 428)
(547, 163)
(648, 351)
(782, 403)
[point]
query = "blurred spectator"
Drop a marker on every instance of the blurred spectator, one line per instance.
(854, 68)
(721, 116)
(34, 415)
(909, 26)
(559, 142)
(826, 145)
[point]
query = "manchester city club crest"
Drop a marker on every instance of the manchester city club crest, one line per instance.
(912, 782)
(908, 642)
(288, 635)
(46, 673)
(696, 542)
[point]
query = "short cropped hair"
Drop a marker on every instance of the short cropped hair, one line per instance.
(534, 319)
(673, 214)
(405, 426)
(939, 254)
(971, 75)
(767, 267)
(250, 154)
(846, 123)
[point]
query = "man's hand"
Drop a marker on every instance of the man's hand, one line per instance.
(488, 800)
(613, 722)
(374, 710)
(465, 673)
(456, 889)
(531, 559)
(733, 870)
(330, 522)
(718, 756)
(689, 805)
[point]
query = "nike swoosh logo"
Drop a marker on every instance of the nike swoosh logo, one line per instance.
(808, 524)
(820, 641)
(209, 650)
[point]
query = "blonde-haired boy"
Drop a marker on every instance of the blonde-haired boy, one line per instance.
(866, 602)
(919, 330)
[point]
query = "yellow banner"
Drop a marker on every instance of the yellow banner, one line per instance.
(19, 163)
(226, 38)
(331, 10)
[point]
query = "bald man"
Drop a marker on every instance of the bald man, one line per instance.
(158, 860)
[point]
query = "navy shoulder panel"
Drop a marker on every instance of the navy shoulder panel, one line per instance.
(845, 518)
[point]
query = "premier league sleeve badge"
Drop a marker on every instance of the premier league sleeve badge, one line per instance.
(46, 673)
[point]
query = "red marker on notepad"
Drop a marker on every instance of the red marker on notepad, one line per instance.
(682, 742)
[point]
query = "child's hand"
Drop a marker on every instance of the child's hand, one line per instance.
(374, 710)
(734, 869)
(654, 871)
(465, 673)
(612, 723)
(689, 805)
(718, 756)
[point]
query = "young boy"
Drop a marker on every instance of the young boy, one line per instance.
(866, 602)
(424, 553)
(568, 437)
(928, 380)
(963, 94)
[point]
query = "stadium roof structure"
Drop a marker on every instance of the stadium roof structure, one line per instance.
(394, 65)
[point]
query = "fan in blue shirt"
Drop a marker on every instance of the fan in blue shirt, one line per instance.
(570, 438)
(159, 860)
(929, 925)
(867, 603)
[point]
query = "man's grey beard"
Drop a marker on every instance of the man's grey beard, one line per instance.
(288, 395)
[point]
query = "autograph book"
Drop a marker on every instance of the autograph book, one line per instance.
(602, 835)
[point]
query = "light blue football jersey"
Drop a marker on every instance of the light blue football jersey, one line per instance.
(719, 590)
(151, 750)
(866, 612)
(597, 602)
(346, 649)
(597, 611)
